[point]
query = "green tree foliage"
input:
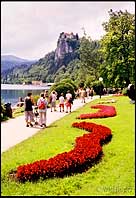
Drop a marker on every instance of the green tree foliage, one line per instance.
(68, 80)
(89, 60)
(70, 71)
(118, 49)
(63, 86)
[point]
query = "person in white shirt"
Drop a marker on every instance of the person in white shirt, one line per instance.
(53, 100)
(83, 94)
(69, 101)
(61, 102)
(87, 92)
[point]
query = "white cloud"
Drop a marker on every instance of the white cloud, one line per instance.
(31, 29)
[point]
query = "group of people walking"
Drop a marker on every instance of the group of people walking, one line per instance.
(33, 110)
(85, 93)
(36, 113)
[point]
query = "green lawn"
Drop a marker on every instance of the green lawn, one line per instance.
(114, 175)
(18, 112)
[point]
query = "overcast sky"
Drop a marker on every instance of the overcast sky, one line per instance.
(31, 29)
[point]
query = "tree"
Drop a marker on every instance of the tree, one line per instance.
(89, 59)
(63, 86)
(118, 49)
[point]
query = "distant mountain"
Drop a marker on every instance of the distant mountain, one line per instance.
(10, 61)
(13, 58)
(58, 64)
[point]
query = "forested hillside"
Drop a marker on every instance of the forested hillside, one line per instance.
(50, 67)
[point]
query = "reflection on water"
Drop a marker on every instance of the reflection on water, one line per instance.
(13, 95)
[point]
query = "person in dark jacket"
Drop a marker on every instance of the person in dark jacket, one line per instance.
(29, 116)
(131, 93)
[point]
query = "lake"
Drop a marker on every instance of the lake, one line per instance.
(11, 93)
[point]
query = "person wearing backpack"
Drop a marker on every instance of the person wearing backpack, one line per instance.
(42, 108)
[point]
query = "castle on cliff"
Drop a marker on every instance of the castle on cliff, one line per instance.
(67, 43)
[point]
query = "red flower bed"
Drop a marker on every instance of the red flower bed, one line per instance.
(87, 151)
(104, 112)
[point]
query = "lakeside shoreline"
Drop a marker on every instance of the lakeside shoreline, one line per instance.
(23, 87)
(10, 93)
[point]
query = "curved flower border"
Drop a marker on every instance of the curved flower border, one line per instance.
(104, 112)
(87, 151)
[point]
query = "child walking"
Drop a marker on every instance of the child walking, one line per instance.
(69, 101)
(61, 102)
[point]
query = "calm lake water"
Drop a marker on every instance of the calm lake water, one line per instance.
(11, 93)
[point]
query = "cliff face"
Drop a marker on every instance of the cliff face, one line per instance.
(67, 44)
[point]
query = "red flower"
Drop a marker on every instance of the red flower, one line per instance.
(87, 150)
(104, 112)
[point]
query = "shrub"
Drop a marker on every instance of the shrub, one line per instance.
(124, 92)
(63, 87)
(70, 82)
(3, 112)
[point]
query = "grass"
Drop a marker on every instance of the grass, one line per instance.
(18, 111)
(114, 175)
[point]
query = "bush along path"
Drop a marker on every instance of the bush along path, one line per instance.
(87, 151)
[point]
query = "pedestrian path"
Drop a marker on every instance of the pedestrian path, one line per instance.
(14, 131)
